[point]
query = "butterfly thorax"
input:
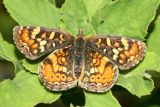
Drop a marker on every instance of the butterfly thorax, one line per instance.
(78, 54)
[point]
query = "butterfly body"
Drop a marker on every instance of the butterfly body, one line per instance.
(79, 46)
(90, 63)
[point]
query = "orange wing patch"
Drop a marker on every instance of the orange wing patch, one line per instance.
(122, 51)
(56, 71)
(36, 41)
(131, 56)
(99, 74)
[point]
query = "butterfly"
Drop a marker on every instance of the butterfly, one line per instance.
(90, 63)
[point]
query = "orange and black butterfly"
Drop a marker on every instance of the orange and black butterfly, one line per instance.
(90, 63)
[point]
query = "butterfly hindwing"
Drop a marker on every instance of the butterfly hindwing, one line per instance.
(99, 73)
(56, 71)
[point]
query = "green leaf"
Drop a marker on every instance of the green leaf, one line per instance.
(136, 84)
(32, 66)
(150, 63)
(93, 6)
(126, 17)
(33, 12)
(74, 17)
(153, 42)
(101, 100)
(24, 90)
(153, 47)
(7, 51)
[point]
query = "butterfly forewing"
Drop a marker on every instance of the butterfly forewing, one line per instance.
(36, 41)
(122, 51)
(56, 71)
(99, 73)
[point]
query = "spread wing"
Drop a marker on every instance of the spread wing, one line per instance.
(99, 73)
(56, 71)
(122, 51)
(33, 42)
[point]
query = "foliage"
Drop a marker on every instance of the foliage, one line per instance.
(129, 18)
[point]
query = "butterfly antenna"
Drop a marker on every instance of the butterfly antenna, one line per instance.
(80, 34)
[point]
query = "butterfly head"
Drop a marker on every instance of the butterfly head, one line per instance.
(80, 33)
(80, 41)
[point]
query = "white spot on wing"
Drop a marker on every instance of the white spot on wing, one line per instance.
(43, 43)
(104, 50)
(53, 44)
(42, 48)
